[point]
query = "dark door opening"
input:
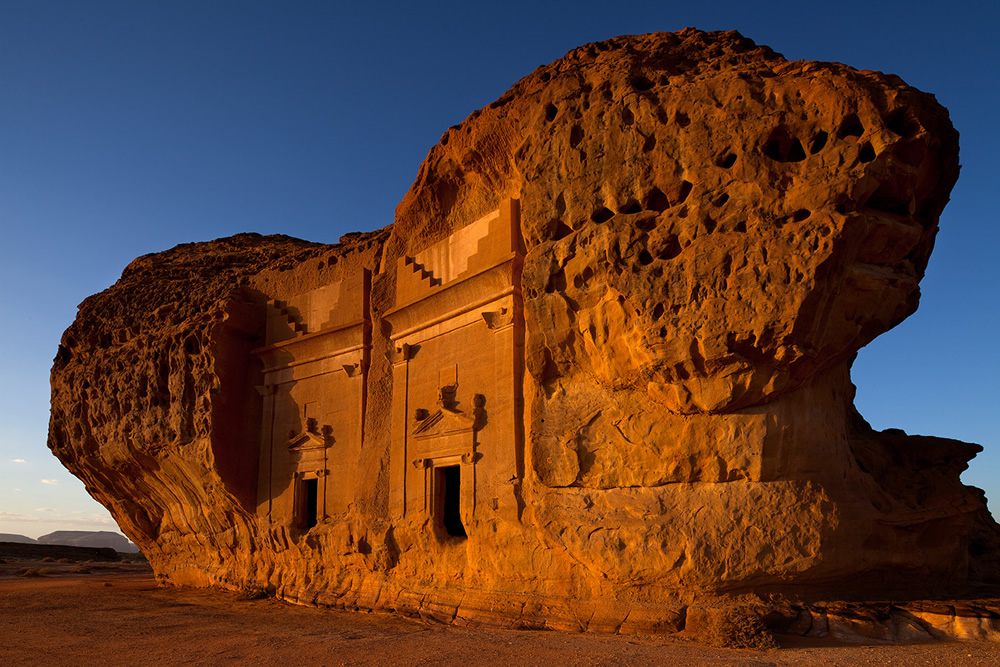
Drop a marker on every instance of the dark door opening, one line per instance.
(450, 487)
(310, 492)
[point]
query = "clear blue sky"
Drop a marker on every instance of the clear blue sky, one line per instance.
(129, 127)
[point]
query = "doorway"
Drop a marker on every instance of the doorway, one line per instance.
(449, 500)
(310, 503)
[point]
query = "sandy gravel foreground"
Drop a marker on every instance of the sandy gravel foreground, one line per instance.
(115, 614)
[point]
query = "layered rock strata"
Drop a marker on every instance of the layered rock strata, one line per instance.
(597, 369)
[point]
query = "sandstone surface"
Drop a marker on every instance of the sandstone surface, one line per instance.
(597, 370)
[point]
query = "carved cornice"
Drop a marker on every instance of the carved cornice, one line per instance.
(356, 369)
(307, 348)
(498, 319)
(457, 297)
(400, 354)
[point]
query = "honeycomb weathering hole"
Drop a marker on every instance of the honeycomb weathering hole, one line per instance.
(602, 215)
(560, 230)
(850, 127)
(783, 146)
(684, 191)
(867, 153)
(818, 142)
(641, 83)
(903, 123)
(656, 201)
(631, 207)
(726, 160)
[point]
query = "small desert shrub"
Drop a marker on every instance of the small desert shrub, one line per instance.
(739, 626)
(48, 559)
(31, 572)
(66, 560)
(82, 569)
(254, 593)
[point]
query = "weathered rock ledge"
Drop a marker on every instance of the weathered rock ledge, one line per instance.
(595, 374)
(860, 623)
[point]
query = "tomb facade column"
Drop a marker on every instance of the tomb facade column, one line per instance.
(503, 468)
(266, 392)
(399, 357)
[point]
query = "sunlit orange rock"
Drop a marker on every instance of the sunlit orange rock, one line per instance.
(596, 370)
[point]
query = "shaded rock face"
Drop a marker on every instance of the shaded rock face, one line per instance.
(596, 369)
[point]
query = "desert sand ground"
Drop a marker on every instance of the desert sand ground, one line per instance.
(115, 614)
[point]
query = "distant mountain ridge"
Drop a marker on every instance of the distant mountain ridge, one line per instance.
(17, 539)
(88, 538)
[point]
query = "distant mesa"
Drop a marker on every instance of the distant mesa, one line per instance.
(90, 538)
(595, 374)
(78, 538)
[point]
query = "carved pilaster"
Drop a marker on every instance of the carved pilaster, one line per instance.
(266, 391)
(399, 357)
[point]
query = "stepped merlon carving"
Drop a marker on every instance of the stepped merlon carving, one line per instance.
(449, 353)
(314, 393)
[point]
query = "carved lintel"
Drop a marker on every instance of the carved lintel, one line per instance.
(498, 319)
(470, 457)
(309, 474)
(421, 463)
(352, 369)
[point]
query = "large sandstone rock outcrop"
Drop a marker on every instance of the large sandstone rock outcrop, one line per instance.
(598, 367)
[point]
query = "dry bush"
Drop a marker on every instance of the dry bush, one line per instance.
(738, 626)
(254, 593)
(48, 559)
(31, 572)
